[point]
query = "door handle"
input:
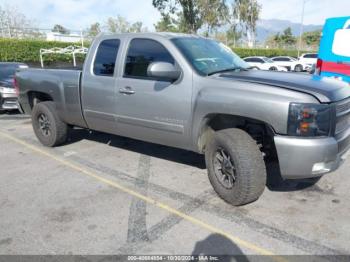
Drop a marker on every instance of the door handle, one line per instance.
(126, 90)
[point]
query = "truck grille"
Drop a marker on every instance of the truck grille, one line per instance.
(343, 116)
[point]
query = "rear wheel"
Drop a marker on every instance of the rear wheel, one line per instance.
(236, 168)
(273, 68)
(48, 127)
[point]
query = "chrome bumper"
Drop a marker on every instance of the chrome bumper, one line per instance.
(8, 101)
(305, 158)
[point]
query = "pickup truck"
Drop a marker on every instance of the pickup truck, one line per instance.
(194, 93)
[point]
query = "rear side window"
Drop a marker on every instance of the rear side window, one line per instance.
(257, 60)
(143, 52)
(105, 57)
(281, 59)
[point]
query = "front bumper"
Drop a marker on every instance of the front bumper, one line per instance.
(306, 158)
(8, 101)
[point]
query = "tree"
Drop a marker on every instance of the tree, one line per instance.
(247, 13)
(213, 13)
(121, 25)
(233, 34)
(287, 38)
(166, 24)
(137, 27)
(187, 11)
(94, 29)
(15, 24)
(60, 29)
(312, 38)
(118, 25)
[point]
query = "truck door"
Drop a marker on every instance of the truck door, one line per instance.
(150, 109)
(98, 86)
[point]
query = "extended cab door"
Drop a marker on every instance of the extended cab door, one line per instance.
(151, 109)
(99, 85)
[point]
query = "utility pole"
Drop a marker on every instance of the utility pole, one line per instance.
(301, 27)
(82, 37)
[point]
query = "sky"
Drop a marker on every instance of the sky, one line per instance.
(79, 14)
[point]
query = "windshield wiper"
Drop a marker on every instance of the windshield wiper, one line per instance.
(228, 70)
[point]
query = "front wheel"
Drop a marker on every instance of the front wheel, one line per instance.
(48, 127)
(298, 68)
(236, 168)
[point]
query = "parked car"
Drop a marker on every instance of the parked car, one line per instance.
(291, 63)
(308, 59)
(264, 63)
(8, 96)
(334, 51)
(196, 94)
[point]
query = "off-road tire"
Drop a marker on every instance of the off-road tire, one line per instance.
(250, 170)
(58, 129)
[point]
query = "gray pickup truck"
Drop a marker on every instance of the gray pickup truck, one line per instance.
(194, 93)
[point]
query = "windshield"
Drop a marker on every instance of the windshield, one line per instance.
(208, 56)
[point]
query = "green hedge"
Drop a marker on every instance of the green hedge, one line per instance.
(244, 52)
(14, 50)
(28, 51)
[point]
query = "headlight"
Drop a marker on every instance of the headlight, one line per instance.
(309, 120)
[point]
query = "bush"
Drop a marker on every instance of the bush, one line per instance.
(28, 51)
(244, 52)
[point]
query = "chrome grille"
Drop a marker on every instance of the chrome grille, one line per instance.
(343, 107)
(343, 116)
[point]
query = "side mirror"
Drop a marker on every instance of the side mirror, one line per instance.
(163, 70)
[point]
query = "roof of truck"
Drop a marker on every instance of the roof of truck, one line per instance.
(167, 35)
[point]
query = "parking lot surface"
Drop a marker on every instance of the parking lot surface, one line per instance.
(104, 194)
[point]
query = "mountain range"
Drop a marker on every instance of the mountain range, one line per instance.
(268, 27)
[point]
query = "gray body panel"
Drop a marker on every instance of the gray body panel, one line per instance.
(62, 85)
(173, 113)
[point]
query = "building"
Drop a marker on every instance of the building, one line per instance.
(67, 38)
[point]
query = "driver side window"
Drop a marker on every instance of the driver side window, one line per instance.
(143, 52)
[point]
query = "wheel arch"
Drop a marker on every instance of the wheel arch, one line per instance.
(35, 97)
(217, 121)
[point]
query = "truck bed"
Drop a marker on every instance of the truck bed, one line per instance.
(61, 84)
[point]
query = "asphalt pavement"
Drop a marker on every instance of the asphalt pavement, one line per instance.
(103, 194)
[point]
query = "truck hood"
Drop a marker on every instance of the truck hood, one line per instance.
(326, 90)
